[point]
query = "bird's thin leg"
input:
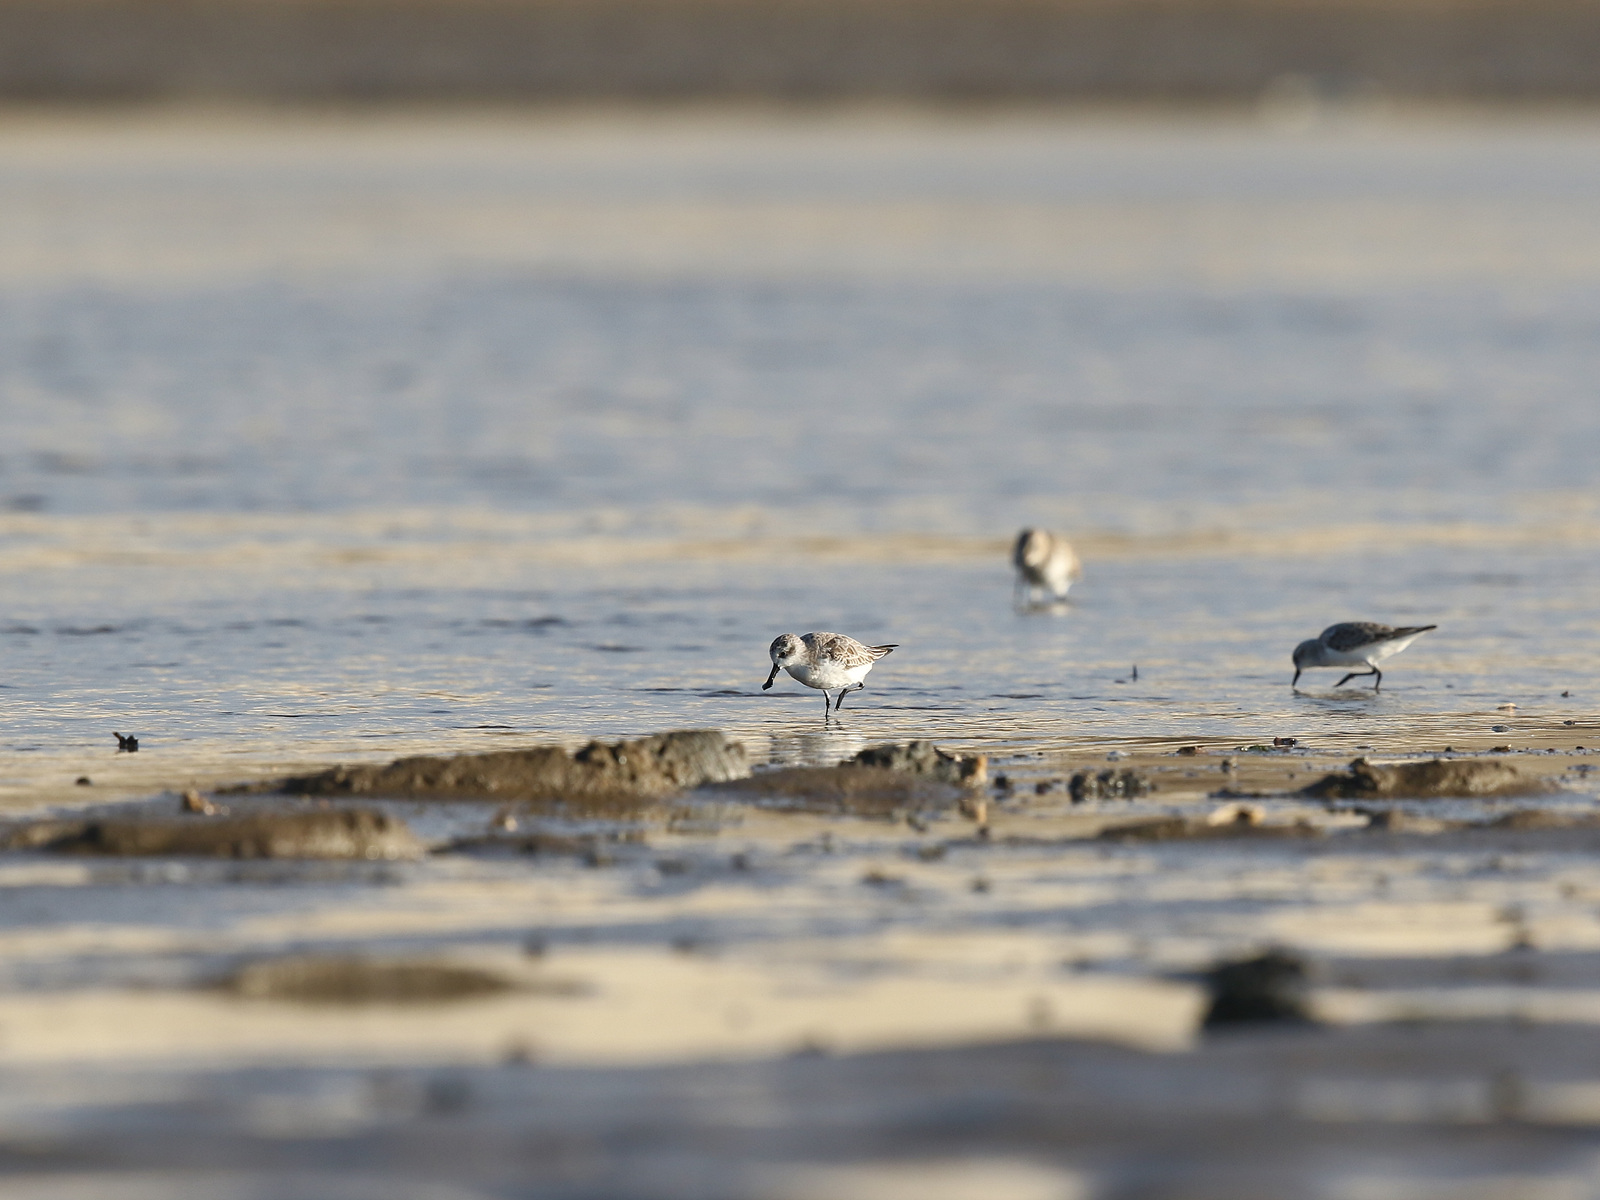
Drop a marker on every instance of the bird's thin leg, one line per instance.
(1346, 679)
(826, 700)
(839, 703)
(1361, 675)
(1378, 682)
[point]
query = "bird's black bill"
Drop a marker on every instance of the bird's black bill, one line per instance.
(768, 684)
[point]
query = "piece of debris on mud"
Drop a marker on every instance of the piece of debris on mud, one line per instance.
(333, 980)
(1110, 784)
(599, 777)
(925, 759)
(1424, 780)
(126, 743)
(323, 833)
(1269, 988)
(193, 802)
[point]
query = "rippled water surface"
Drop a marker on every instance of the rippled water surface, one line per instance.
(333, 437)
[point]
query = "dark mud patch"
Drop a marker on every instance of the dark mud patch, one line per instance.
(925, 760)
(1544, 818)
(322, 834)
(1271, 988)
(848, 789)
(1184, 829)
(350, 980)
(593, 849)
(882, 781)
(605, 779)
(1434, 779)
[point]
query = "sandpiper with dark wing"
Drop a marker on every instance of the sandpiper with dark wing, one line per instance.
(824, 661)
(1355, 644)
(1044, 560)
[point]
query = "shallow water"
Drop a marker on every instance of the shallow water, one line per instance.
(338, 436)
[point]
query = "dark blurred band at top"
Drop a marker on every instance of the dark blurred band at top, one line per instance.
(914, 49)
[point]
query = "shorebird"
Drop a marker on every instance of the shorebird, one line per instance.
(1355, 644)
(824, 661)
(1043, 560)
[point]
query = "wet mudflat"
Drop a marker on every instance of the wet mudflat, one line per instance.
(786, 985)
(340, 447)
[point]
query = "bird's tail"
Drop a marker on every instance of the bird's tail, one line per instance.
(879, 651)
(1409, 630)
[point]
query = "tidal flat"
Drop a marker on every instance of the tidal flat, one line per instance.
(338, 438)
(1008, 979)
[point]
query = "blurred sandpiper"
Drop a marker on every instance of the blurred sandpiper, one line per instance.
(1045, 562)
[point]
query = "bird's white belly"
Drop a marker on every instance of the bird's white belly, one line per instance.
(1369, 655)
(1376, 654)
(829, 675)
(1361, 656)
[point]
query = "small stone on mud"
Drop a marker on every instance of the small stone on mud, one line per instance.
(1188, 751)
(314, 979)
(85, 781)
(1236, 814)
(194, 802)
(1270, 988)
(1425, 780)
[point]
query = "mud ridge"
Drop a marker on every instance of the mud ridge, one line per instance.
(600, 775)
(323, 833)
(1436, 778)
